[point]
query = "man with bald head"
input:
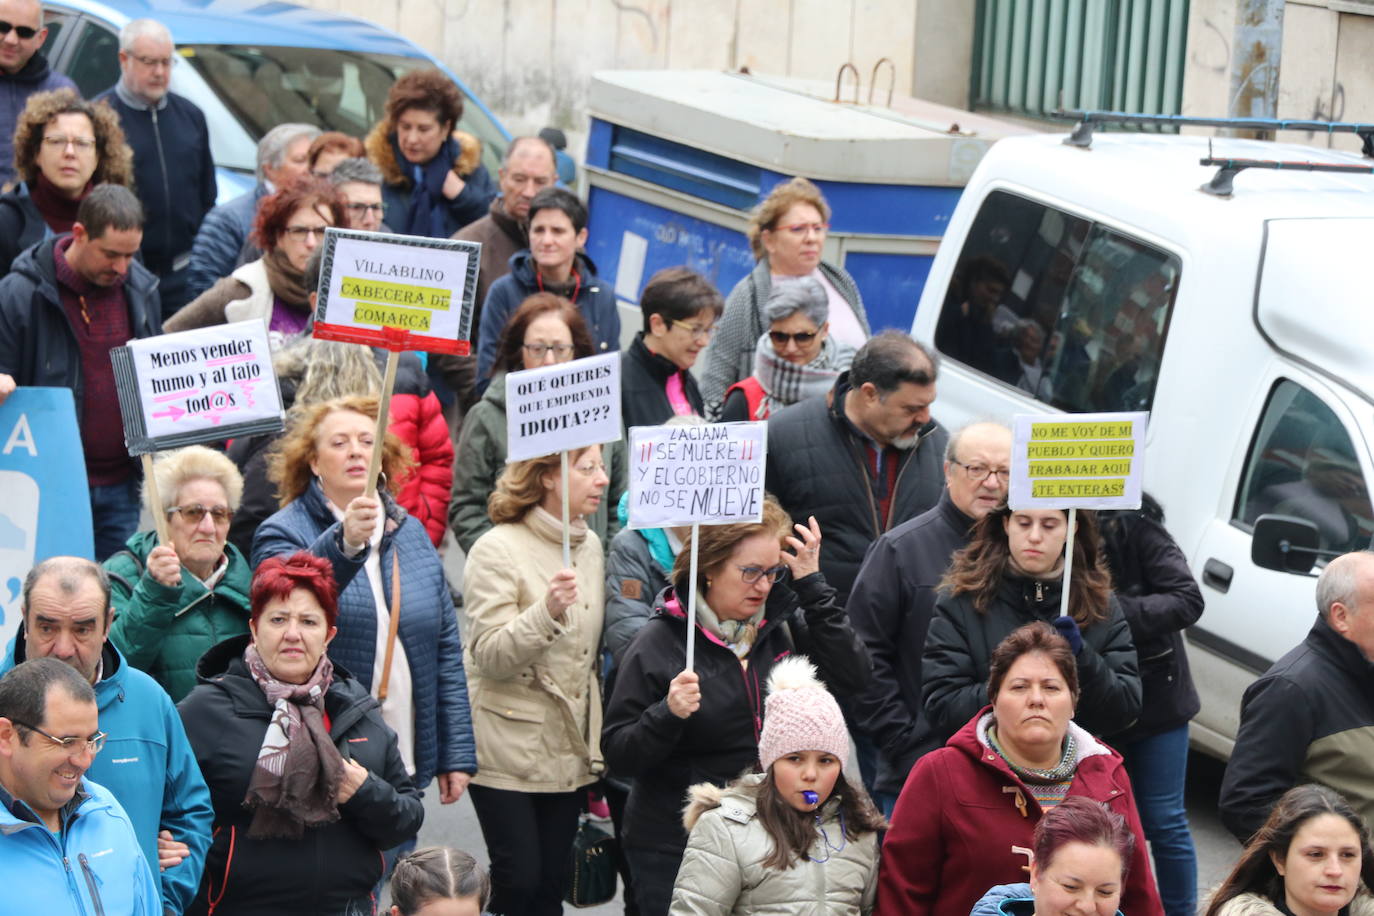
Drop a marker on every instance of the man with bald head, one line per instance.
(894, 597)
(24, 70)
(1310, 717)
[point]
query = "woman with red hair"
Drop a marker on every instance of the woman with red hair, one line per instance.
(289, 225)
(306, 779)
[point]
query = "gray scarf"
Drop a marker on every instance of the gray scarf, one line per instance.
(787, 383)
(738, 635)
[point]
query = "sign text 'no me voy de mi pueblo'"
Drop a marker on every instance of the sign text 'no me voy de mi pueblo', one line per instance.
(1082, 461)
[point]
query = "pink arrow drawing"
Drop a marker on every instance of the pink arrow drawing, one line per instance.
(172, 411)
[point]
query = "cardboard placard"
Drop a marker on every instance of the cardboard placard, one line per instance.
(197, 386)
(562, 407)
(711, 474)
(1077, 461)
(401, 292)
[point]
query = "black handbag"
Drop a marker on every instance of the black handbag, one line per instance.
(593, 866)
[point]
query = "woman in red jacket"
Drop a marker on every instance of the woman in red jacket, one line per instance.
(965, 819)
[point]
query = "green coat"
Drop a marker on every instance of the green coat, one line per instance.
(164, 631)
(481, 457)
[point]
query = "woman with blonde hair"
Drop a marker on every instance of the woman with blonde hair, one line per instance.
(532, 628)
(398, 632)
(178, 599)
(787, 233)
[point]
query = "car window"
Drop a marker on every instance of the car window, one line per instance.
(94, 63)
(1302, 463)
(1066, 309)
(54, 22)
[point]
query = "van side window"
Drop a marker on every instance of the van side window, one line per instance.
(1302, 463)
(94, 65)
(1066, 309)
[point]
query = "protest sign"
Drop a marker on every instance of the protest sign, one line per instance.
(197, 386)
(562, 407)
(710, 474)
(1078, 461)
(401, 292)
(46, 510)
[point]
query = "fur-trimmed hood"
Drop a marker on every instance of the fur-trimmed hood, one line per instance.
(1260, 905)
(379, 150)
(740, 797)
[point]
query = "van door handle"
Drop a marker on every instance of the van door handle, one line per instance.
(1217, 574)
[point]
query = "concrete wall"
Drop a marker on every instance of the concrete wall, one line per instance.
(531, 60)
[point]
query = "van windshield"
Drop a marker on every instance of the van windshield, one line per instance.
(263, 86)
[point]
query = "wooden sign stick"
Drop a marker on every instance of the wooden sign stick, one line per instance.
(374, 467)
(164, 536)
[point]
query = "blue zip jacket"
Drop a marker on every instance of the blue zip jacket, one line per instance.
(94, 861)
(148, 765)
(428, 628)
(1007, 900)
(215, 251)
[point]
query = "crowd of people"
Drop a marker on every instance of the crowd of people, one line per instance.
(895, 707)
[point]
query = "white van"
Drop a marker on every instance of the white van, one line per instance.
(1243, 323)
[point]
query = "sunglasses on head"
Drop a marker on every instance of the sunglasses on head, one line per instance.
(23, 31)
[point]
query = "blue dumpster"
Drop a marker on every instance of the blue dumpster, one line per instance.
(677, 159)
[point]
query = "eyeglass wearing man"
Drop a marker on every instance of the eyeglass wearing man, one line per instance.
(49, 737)
(149, 766)
(24, 70)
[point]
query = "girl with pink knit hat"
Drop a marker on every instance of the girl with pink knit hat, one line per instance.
(756, 845)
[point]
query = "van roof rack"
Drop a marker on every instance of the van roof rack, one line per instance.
(1227, 169)
(1082, 135)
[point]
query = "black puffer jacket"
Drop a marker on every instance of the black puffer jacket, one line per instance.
(817, 466)
(954, 667)
(330, 870)
(643, 386)
(664, 754)
(21, 225)
(1161, 599)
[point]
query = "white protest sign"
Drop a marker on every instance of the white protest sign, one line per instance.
(401, 292)
(562, 407)
(684, 475)
(197, 386)
(1077, 461)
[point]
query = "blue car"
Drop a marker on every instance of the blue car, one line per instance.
(253, 65)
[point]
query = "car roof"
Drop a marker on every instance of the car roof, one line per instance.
(249, 22)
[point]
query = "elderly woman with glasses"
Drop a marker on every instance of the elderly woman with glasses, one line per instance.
(787, 232)
(796, 358)
(669, 728)
(532, 630)
(290, 225)
(176, 600)
(63, 147)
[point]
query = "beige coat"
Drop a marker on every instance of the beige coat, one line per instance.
(722, 870)
(1259, 905)
(532, 681)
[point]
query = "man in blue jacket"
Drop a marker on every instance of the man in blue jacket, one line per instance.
(24, 70)
(63, 840)
(148, 764)
(173, 170)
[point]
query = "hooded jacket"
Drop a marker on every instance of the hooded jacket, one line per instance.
(644, 378)
(664, 754)
(469, 206)
(21, 225)
(92, 866)
(964, 822)
(1260, 905)
(37, 343)
(15, 89)
(723, 873)
(330, 868)
(817, 466)
(958, 650)
(428, 627)
(483, 446)
(146, 764)
(164, 629)
(1009, 900)
(595, 299)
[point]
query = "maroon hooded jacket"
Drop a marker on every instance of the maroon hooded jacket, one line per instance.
(963, 824)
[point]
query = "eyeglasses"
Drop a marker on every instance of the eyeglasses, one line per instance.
(58, 141)
(752, 574)
(25, 32)
(299, 233)
(696, 332)
(537, 350)
(360, 209)
(587, 470)
(69, 744)
(800, 230)
(193, 513)
(801, 338)
(980, 472)
(152, 63)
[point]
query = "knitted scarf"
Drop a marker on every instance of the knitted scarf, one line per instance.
(57, 210)
(1049, 787)
(426, 214)
(287, 283)
(738, 635)
(298, 771)
(787, 383)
